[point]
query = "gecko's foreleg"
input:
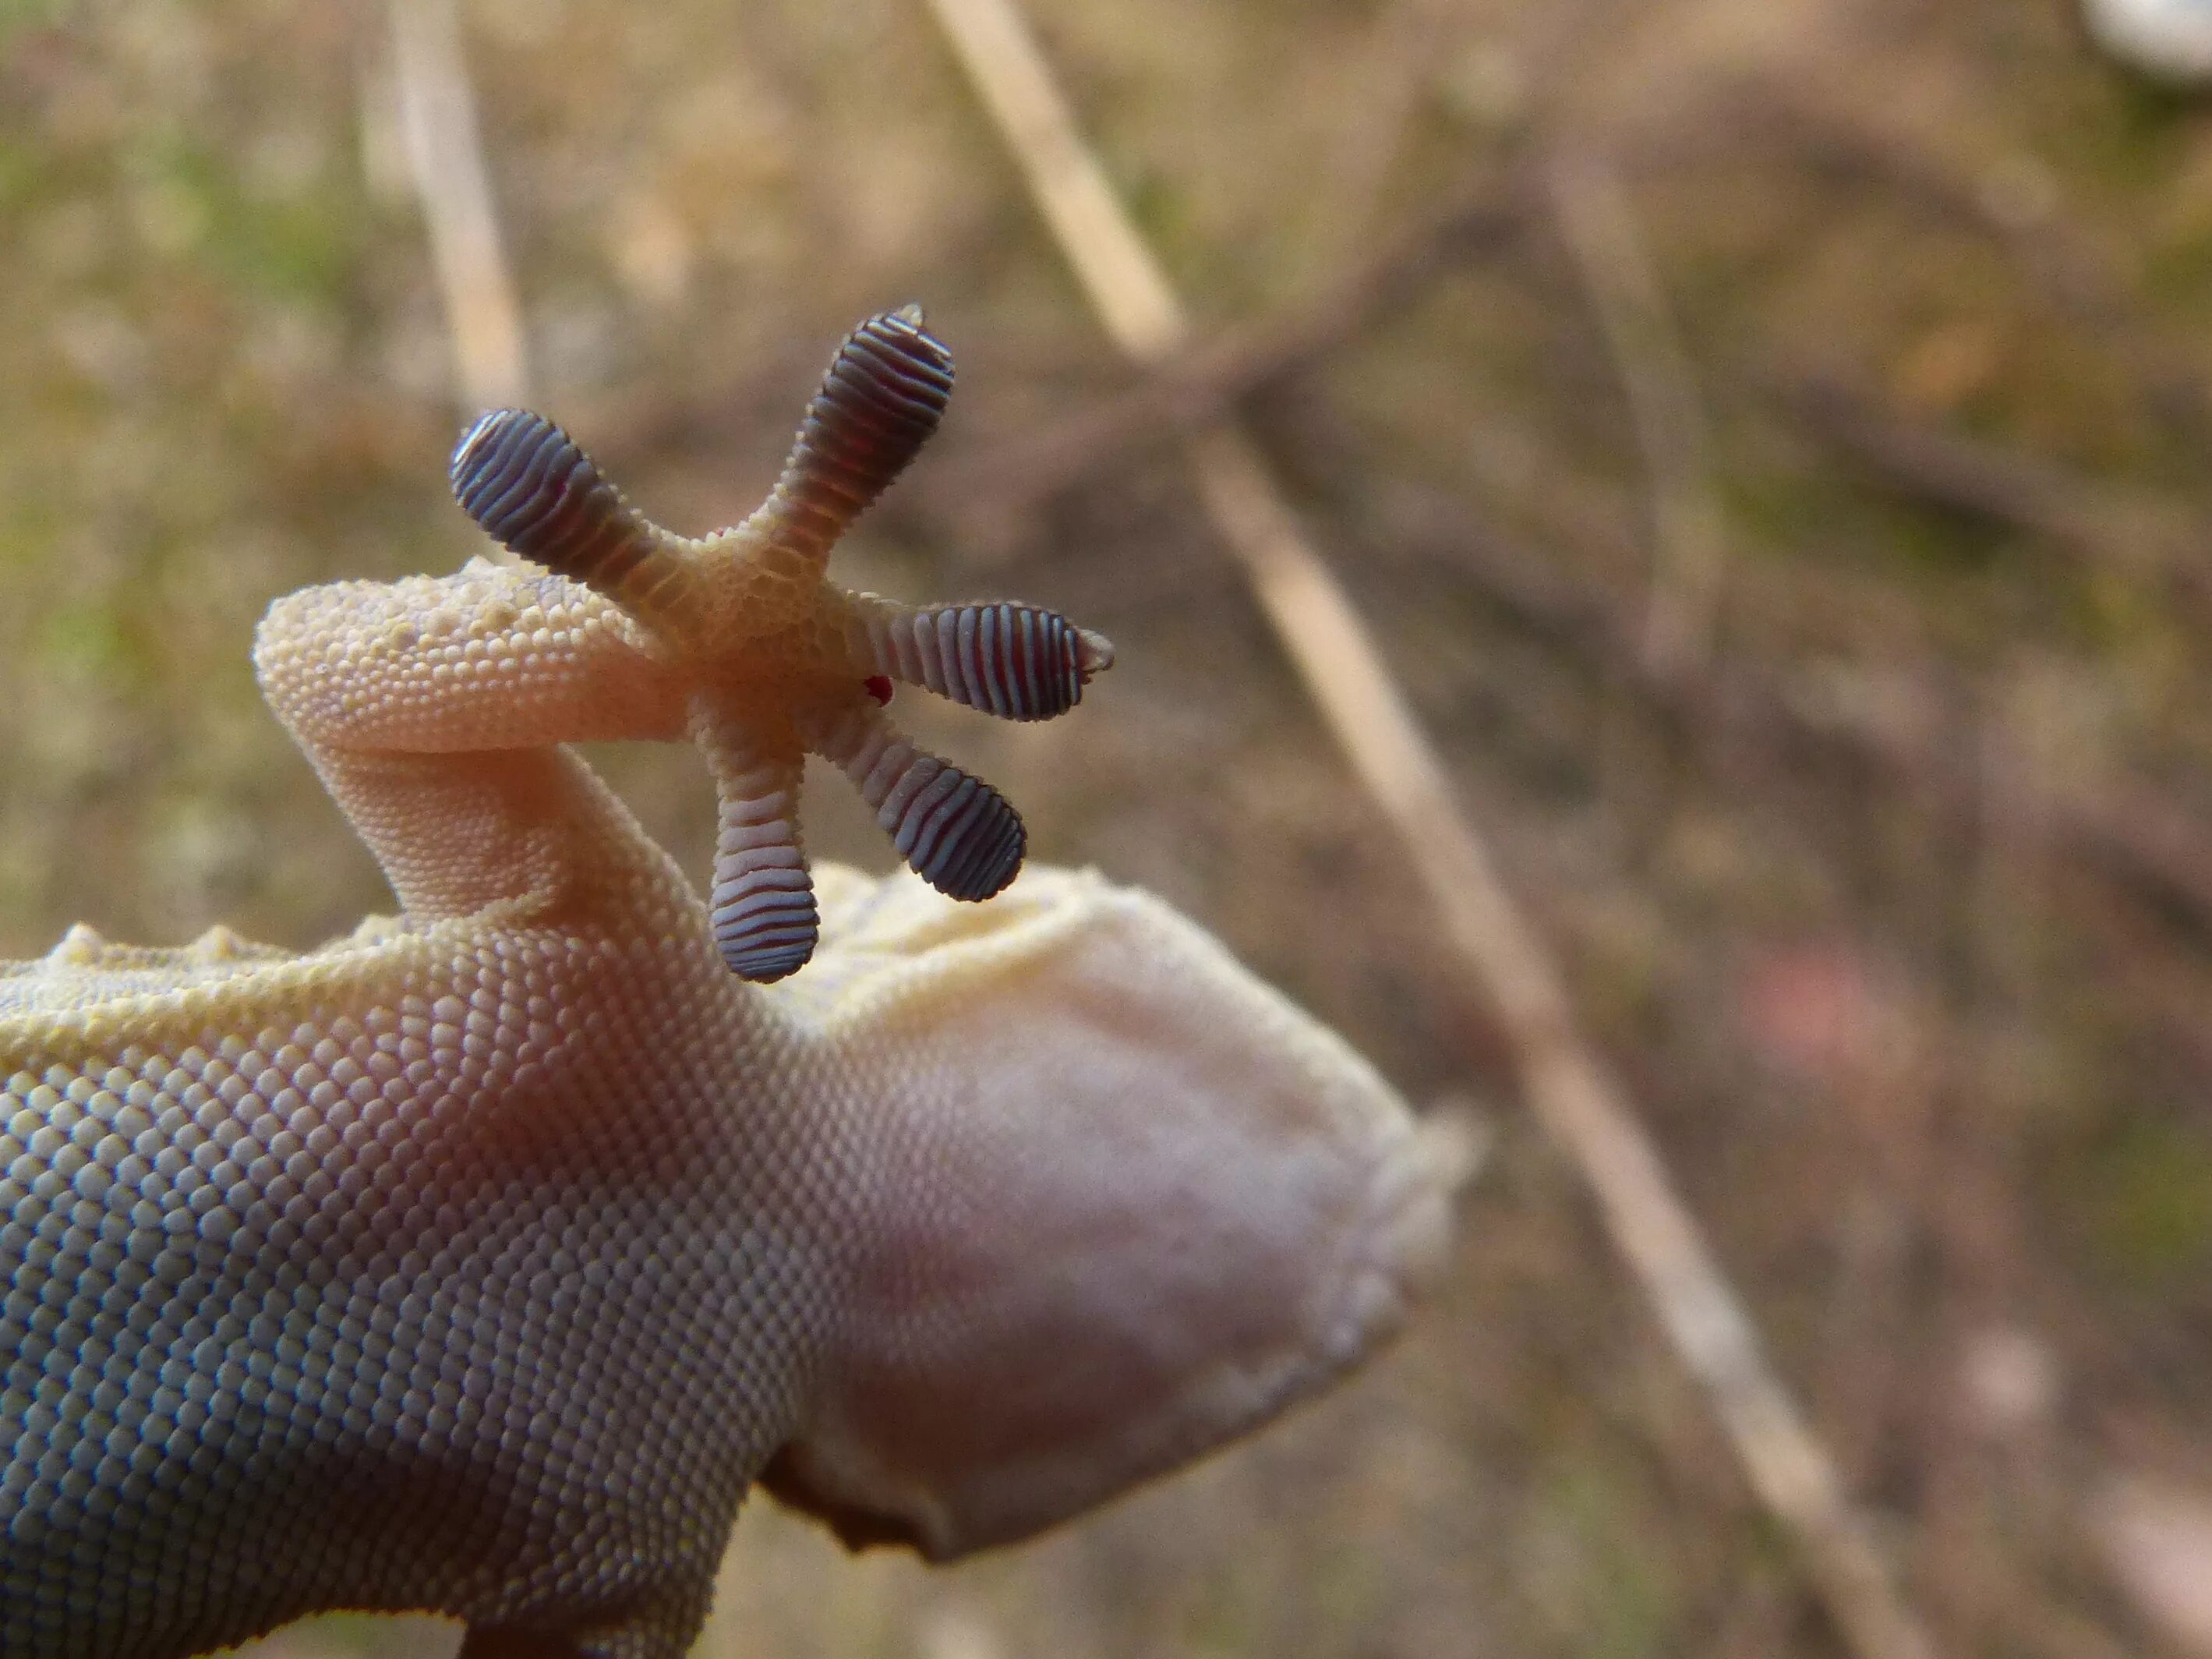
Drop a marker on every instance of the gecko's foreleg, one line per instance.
(780, 659)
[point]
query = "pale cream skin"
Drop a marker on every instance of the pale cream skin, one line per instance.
(477, 1263)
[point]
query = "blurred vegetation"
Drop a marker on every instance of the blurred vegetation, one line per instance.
(1892, 901)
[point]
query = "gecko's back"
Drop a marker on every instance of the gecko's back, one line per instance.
(477, 1283)
(412, 1298)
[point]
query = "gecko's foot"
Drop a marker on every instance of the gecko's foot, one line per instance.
(785, 661)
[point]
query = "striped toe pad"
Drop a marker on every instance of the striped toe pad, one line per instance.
(954, 830)
(762, 904)
(884, 394)
(534, 491)
(1016, 661)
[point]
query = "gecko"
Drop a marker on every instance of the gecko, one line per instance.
(480, 1261)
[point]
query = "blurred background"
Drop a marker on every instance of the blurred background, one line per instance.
(1767, 437)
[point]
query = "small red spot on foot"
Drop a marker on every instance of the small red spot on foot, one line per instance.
(879, 687)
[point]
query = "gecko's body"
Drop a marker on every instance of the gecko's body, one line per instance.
(477, 1263)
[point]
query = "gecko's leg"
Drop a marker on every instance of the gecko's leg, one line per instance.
(740, 637)
(432, 708)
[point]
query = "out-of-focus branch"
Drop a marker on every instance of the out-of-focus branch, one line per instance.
(1599, 228)
(1573, 1094)
(438, 122)
(2127, 529)
(2101, 525)
(1737, 711)
(1204, 378)
(2006, 198)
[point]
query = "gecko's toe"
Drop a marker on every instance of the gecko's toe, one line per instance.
(764, 916)
(958, 833)
(953, 830)
(1020, 662)
(531, 489)
(762, 904)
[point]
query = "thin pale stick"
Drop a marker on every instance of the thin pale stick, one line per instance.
(1600, 231)
(438, 119)
(1572, 1093)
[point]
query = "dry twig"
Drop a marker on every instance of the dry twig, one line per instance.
(2118, 529)
(438, 120)
(1600, 227)
(1741, 711)
(1206, 378)
(2007, 197)
(1574, 1096)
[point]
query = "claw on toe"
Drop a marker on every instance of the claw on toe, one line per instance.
(788, 663)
